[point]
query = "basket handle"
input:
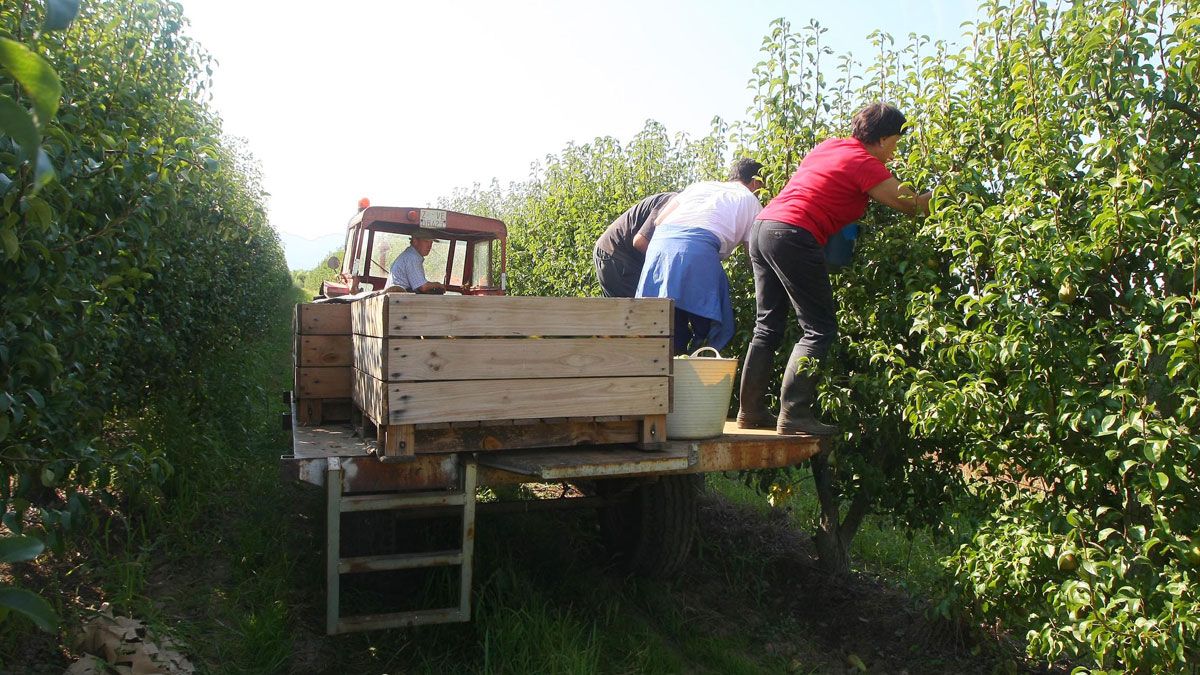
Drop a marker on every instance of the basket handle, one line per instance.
(711, 349)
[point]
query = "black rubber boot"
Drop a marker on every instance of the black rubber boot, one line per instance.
(798, 403)
(752, 395)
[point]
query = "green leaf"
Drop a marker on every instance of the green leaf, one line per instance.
(20, 548)
(60, 14)
(31, 605)
(37, 78)
(16, 122)
(44, 173)
(12, 246)
(40, 212)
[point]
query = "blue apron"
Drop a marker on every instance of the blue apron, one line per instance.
(684, 264)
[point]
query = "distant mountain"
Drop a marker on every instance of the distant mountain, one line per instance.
(305, 254)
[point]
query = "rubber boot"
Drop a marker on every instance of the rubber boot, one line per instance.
(798, 402)
(752, 395)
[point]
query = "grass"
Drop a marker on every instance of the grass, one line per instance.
(229, 562)
(907, 559)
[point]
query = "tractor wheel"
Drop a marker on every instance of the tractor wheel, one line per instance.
(651, 531)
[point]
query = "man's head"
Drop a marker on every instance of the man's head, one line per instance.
(422, 243)
(745, 171)
(879, 124)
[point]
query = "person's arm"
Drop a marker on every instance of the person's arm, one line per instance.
(900, 197)
(641, 242)
(662, 215)
(431, 288)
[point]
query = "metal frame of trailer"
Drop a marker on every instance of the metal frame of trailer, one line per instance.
(338, 459)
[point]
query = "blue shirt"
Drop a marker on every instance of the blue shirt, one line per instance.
(408, 270)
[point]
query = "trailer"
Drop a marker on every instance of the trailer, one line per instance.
(412, 404)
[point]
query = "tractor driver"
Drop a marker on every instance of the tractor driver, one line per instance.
(408, 271)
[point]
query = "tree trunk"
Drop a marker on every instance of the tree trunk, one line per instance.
(833, 553)
(834, 535)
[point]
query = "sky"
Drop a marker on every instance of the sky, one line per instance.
(402, 101)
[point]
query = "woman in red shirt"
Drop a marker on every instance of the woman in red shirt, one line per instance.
(830, 190)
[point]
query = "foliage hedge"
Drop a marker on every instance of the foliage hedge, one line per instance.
(1020, 368)
(144, 251)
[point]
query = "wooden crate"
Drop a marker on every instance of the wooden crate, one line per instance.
(324, 363)
(565, 370)
(411, 315)
(322, 318)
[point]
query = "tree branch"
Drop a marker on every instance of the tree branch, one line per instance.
(1179, 107)
(823, 480)
(859, 507)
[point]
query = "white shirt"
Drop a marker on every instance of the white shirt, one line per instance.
(727, 209)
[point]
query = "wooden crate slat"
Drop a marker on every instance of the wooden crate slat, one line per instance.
(324, 382)
(410, 315)
(489, 437)
(406, 359)
(325, 350)
(322, 318)
(369, 355)
(368, 315)
(314, 411)
(369, 395)
(419, 402)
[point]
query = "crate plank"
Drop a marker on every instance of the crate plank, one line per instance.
(479, 400)
(324, 382)
(369, 355)
(322, 318)
(325, 350)
(368, 316)
(370, 395)
(410, 315)
(316, 411)
(489, 437)
(407, 359)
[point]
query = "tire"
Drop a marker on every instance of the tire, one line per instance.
(652, 531)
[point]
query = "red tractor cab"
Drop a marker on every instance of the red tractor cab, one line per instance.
(468, 254)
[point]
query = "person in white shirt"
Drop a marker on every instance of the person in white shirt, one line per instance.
(698, 229)
(408, 270)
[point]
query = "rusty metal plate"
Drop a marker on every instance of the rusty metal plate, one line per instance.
(368, 474)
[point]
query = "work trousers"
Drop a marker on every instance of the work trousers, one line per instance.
(617, 275)
(789, 269)
(691, 332)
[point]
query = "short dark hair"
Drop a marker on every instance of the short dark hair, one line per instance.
(744, 170)
(877, 121)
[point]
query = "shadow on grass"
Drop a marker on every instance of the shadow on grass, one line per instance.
(548, 600)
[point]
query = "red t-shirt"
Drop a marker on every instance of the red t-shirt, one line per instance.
(829, 190)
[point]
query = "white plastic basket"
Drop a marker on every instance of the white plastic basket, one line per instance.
(701, 391)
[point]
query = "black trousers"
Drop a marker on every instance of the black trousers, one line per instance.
(789, 269)
(618, 276)
(691, 332)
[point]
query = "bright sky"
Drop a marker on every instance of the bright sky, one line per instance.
(401, 101)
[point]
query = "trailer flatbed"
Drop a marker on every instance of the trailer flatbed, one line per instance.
(646, 496)
(734, 450)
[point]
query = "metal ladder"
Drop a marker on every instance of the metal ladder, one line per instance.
(335, 566)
